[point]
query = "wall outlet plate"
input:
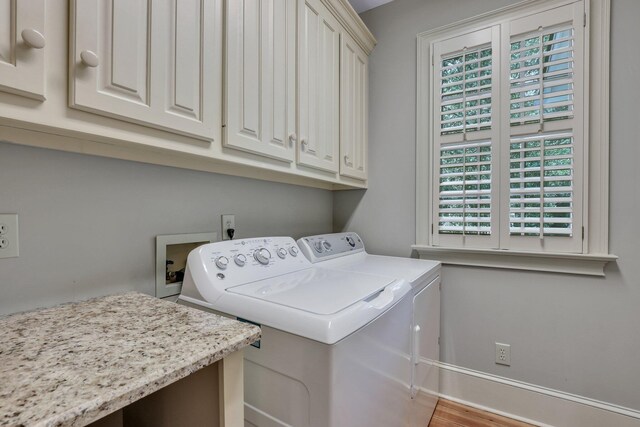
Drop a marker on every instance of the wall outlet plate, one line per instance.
(228, 221)
(9, 247)
(503, 354)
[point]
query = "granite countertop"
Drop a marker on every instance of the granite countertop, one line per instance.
(73, 364)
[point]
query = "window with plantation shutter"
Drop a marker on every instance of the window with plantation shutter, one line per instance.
(512, 138)
(508, 134)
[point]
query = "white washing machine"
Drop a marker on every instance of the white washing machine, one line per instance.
(345, 252)
(335, 345)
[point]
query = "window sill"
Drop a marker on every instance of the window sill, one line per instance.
(584, 264)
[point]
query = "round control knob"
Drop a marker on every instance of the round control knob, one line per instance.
(240, 260)
(262, 255)
(326, 245)
(293, 251)
(282, 253)
(318, 247)
(351, 242)
(222, 262)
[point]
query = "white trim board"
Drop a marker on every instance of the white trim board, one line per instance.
(527, 402)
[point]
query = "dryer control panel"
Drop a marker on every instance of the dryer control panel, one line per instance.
(328, 246)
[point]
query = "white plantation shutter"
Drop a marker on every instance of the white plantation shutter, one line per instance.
(541, 76)
(544, 131)
(509, 134)
(464, 199)
(465, 189)
(465, 91)
(541, 185)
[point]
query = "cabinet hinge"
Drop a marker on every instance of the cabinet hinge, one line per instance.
(432, 62)
(431, 228)
(584, 23)
(438, 340)
(582, 233)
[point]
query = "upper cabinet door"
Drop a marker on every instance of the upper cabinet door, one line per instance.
(319, 85)
(353, 109)
(157, 66)
(22, 42)
(261, 77)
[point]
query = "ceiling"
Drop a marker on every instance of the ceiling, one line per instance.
(363, 5)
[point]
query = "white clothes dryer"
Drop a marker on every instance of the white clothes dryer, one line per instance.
(335, 347)
(346, 252)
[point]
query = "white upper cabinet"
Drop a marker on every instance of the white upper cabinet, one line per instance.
(353, 109)
(260, 102)
(156, 66)
(319, 86)
(22, 43)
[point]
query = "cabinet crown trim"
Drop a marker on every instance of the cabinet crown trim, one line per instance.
(351, 21)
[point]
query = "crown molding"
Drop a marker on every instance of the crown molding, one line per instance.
(350, 20)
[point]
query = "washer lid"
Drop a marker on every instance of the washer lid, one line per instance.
(315, 290)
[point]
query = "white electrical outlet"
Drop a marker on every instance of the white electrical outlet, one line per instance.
(503, 354)
(228, 221)
(8, 235)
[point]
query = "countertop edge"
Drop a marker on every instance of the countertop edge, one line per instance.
(99, 408)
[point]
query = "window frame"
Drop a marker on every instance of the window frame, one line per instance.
(594, 255)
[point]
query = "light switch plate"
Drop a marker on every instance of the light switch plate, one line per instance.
(9, 247)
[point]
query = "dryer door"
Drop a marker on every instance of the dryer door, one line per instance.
(425, 350)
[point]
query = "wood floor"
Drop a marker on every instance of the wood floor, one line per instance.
(451, 414)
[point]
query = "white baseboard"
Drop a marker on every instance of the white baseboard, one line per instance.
(529, 403)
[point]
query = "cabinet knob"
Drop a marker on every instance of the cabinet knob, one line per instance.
(89, 58)
(33, 38)
(347, 162)
(303, 144)
(292, 139)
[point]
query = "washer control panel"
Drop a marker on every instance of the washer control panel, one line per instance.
(234, 262)
(328, 246)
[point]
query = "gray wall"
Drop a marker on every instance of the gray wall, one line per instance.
(571, 333)
(88, 224)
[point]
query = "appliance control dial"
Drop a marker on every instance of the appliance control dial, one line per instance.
(282, 253)
(293, 251)
(351, 242)
(222, 262)
(262, 255)
(326, 245)
(240, 260)
(318, 246)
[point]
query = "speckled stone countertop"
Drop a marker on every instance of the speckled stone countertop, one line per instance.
(73, 364)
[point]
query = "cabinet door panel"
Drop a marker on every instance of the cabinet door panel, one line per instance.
(156, 66)
(21, 65)
(319, 44)
(186, 62)
(124, 29)
(353, 110)
(260, 78)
